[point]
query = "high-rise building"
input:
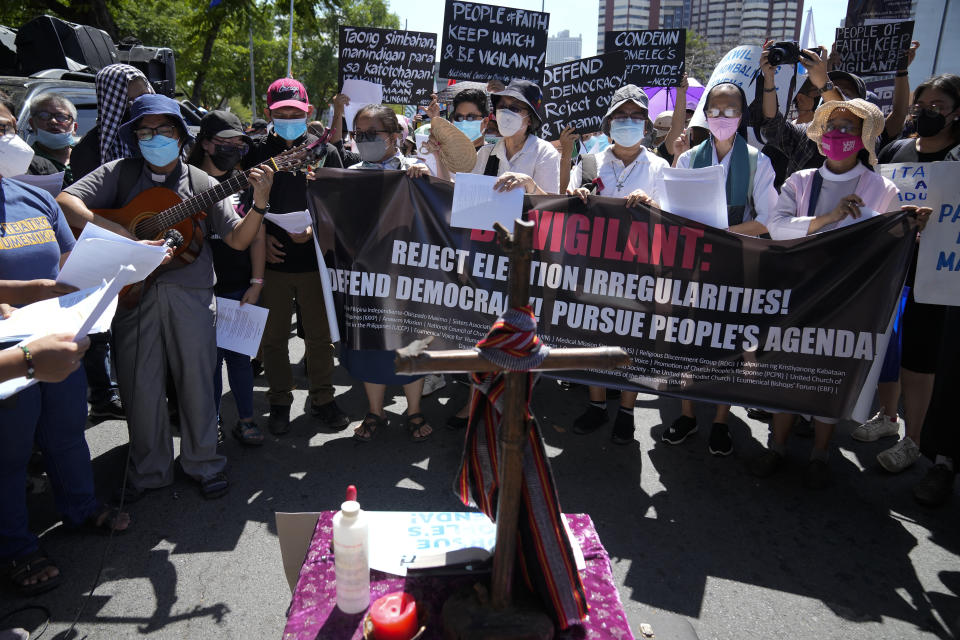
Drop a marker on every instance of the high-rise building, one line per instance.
(620, 15)
(727, 23)
(563, 48)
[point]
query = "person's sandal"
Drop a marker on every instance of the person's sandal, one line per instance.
(28, 566)
(216, 486)
(248, 433)
(105, 521)
(369, 427)
(415, 423)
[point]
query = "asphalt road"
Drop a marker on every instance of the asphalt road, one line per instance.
(698, 545)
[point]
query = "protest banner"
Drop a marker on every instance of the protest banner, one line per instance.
(870, 11)
(654, 58)
(578, 93)
(882, 87)
(874, 49)
(935, 185)
(795, 325)
(400, 61)
(486, 42)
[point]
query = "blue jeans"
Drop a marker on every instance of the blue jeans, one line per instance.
(239, 373)
(96, 363)
(56, 416)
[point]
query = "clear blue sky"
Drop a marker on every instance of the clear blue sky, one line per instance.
(580, 17)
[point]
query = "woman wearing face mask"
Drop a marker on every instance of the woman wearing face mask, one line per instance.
(520, 158)
(53, 119)
(220, 145)
(936, 116)
(378, 134)
(624, 170)
(750, 199)
(817, 200)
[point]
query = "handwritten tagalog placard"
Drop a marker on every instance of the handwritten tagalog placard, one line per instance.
(484, 42)
(654, 58)
(578, 93)
(401, 61)
(874, 49)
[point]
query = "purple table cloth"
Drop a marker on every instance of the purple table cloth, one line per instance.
(313, 612)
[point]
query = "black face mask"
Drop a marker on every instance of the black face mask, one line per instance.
(928, 124)
(226, 157)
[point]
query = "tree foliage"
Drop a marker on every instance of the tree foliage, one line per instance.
(701, 58)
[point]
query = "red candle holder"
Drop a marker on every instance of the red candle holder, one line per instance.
(394, 616)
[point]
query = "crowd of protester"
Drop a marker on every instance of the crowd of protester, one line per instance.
(811, 173)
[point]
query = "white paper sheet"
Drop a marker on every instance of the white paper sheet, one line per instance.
(327, 292)
(79, 313)
(420, 138)
(240, 327)
(294, 222)
(98, 255)
(361, 93)
(696, 194)
(51, 183)
(477, 206)
(865, 214)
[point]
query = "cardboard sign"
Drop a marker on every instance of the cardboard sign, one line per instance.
(935, 185)
(578, 93)
(484, 42)
(654, 58)
(874, 49)
(400, 61)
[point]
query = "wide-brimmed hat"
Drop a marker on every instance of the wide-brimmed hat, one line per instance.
(871, 115)
(626, 93)
(152, 104)
(527, 93)
(457, 152)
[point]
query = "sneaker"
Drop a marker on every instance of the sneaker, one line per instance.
(433, 382)
(899, 456)
(216, 486)
(936, 487)
(682, 428)
(817, 475)
(330, 415)
(879, 426)
(721, 443)
(279, 421)
(759, 414)
(111, 409)
(591, 420)
(766, 464)
(623, 426)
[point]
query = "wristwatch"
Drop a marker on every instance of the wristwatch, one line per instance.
(827, 87)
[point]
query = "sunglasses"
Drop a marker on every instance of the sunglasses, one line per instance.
(62, 118)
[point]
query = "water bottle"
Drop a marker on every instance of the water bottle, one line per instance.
(351, 555)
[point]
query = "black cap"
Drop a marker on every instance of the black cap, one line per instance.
(526, 92)
(221, 124)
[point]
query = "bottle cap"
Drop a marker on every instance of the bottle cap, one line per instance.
(350, 508)
(351, 492)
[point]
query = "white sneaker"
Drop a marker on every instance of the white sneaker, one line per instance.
(899, 456)
(433, 382)
(879, 426)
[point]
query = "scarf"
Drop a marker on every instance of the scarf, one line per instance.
(112, 82)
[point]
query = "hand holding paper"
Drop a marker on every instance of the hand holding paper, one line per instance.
(99, 253)
(361, 93)
(477, 206)
(697, 194)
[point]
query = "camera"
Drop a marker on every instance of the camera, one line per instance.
(785, 53)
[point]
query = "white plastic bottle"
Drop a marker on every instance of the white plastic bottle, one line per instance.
(351, 554)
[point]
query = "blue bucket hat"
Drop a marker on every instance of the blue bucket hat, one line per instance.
(152, 104)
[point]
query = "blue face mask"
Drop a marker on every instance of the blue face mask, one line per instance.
(597, 144)
(56, 140)
(160, 150)
(470, 128)
(491, 139)
(627, 134)
(290, 129)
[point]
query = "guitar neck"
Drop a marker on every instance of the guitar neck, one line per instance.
(154, 226)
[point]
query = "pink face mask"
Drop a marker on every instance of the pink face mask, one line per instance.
(723, 128)
(840, 146)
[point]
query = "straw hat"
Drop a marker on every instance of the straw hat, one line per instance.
(456, 150)
(870, 114)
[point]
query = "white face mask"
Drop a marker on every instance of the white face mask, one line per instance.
(15, 156)
(509, 122)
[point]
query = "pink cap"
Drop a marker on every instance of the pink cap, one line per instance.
(287, 92)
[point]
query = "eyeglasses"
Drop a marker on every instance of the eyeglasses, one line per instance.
(146, 134)
(933, 110)
(469, 118)
(8, 127)
(516, 108)
(729, 112)
(842, 128)
(636, 116)
(62, 118)
(242, 149)
(367, 136)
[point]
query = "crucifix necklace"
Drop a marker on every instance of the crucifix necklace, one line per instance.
(622, 181)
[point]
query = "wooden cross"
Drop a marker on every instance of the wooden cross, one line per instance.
(414, 359)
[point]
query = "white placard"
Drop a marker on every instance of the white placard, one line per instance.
(361, 93)
(327, 291)
(477, 206)
(697, 194)
(99, 253)
(240, 327)
(292, 223)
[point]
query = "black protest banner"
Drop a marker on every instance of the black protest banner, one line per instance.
(859, 11)
(485, 42)
(654, 58)
(401, 61)
(578, 93)
(874, 49)
(794, 325)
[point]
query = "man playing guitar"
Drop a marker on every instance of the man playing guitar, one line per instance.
(174, 321)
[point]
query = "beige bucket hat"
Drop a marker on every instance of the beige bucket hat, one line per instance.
(871, 115)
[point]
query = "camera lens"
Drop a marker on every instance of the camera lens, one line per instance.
(776, 55)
